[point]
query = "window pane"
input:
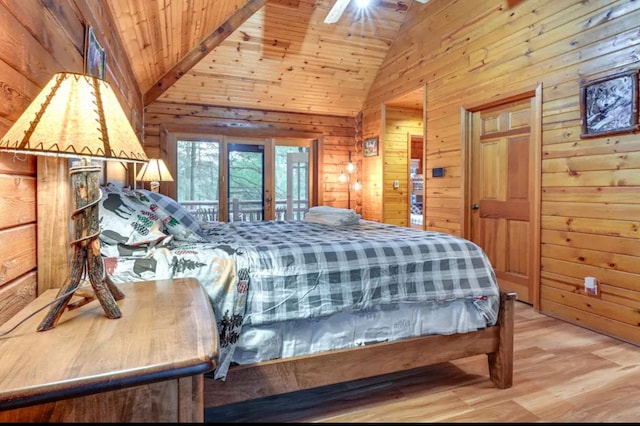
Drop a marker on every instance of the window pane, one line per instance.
(246, 184)
(292, 182)
(198, 165)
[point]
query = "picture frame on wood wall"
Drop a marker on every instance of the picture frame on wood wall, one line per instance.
(609, 105)
(370, 147)
(95, 57)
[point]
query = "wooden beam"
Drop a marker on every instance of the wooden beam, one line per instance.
(206, 45)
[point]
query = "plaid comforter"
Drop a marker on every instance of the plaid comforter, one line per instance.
(262, 272)
(307, 270)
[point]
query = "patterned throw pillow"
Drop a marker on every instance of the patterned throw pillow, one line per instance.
(176, 219)
(125, 220)
(173, 208)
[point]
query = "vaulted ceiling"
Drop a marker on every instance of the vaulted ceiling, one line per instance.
(273, 55)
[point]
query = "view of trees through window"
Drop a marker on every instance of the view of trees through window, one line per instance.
(292, 181)
(198, 183)
(198, 165)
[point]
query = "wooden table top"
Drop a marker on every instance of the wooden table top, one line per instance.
(167, 330)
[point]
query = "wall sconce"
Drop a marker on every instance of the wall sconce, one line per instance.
(346, 177)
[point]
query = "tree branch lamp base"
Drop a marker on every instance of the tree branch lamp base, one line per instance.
(86, 258)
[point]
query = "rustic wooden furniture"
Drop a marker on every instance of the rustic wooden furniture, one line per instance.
(247, 382)
(146, 366)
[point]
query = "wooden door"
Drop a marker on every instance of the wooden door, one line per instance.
(502, 190)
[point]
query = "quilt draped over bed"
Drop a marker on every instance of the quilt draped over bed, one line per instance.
(263, 272)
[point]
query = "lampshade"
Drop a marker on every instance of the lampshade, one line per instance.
(154, 171)
(75, 115)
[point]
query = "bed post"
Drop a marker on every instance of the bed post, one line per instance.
(501, 361)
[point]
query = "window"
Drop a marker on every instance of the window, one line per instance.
(292, 182)
(244, 179)
(198, 177)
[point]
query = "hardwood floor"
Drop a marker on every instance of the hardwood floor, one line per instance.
(562, 373)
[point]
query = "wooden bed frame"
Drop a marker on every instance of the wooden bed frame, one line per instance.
(275, 377)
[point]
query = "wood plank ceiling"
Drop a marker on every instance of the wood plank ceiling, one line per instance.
(282, 57)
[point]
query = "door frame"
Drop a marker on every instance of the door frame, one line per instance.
(535, 174)
(410, 137)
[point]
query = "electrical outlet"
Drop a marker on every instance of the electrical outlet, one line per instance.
(591, 285)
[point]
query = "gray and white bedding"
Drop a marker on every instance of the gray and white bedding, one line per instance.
(266, 280)
(309, 270)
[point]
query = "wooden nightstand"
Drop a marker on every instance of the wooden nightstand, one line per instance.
(147, 366)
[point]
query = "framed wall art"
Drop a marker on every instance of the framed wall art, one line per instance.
(609, 105)
(370, 147)
(95, 57)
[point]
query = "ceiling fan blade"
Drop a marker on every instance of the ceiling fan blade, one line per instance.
(336, 11)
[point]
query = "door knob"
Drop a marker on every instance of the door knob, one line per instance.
(475, 206)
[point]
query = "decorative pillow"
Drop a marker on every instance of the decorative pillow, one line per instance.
(125, 220)
(173, 208)
(175, 218)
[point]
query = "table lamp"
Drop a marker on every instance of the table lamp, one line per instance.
(155, 171)
(79, 116)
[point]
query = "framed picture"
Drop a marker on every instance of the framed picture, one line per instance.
(94, 55)
(370, 147)
(609, 105)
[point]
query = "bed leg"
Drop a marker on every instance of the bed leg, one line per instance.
(501, 361)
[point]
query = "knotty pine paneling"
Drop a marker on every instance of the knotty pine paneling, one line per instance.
(167, 31)
(17, 200)
(399, 124)
(16, 295)
(337, 136)
(285, 58)
(372, 167)
(18, 251)
(17, 164)
(469, 55)
(38, 40)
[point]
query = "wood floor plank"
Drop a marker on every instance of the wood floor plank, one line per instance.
(562, 373)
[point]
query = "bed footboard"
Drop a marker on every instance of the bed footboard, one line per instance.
(268, 378)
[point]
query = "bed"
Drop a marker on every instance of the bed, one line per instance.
(294, 297)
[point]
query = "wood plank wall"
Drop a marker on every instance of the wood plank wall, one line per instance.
(38, 39)
(399, 123)
(469, 53)
(336, 136)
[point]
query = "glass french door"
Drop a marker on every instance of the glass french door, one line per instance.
(243, 179)
(292, 182)
(246, 196)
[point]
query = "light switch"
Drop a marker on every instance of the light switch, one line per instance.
(396, 184)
